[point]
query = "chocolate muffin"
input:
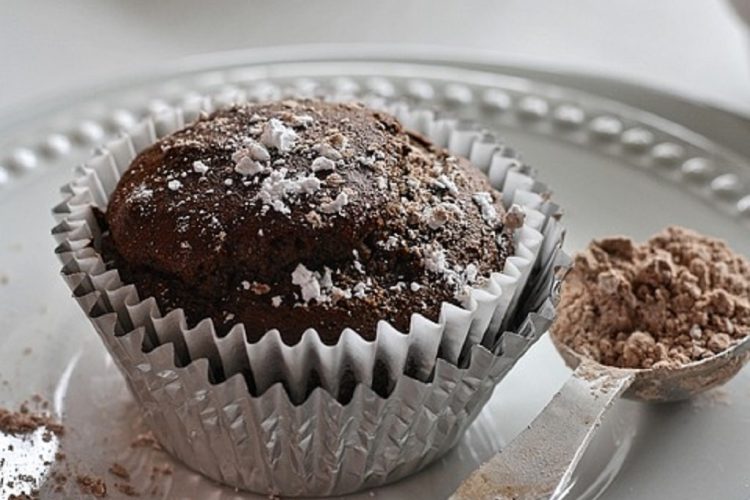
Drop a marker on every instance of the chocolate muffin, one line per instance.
(300, 215)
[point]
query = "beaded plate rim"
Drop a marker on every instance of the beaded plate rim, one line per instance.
(637, 137)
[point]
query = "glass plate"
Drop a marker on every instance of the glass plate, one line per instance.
(614, 168)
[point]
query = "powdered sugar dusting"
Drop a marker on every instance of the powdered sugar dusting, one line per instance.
(308, 282)
(248, 167)
(322, 163)
(336, 205)
(434, 259)
(199, 167)
(444, 182)
(141, 193)
(276, 135)
(276, 189)
(458, 276)
(252, 159)
(484, 201)
(315, 286)
(327, 151)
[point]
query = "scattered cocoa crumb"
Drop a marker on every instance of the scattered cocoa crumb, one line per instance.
(59, 477)
(33, 495)
(3, 279)
(90, 485)
(680, 297)
(126, 489)
(55, 428)
(164, 469)
(26, 351)
(24, 421)
(260, 288)
(145, 440)
(119, 471)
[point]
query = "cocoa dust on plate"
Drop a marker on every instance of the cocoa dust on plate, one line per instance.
(678, 298)
(22, 423)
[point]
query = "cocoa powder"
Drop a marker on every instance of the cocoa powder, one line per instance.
(119, 471)
(92, 485)
(678, 298)
(24, 421)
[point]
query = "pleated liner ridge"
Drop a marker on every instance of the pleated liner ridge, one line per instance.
(245, 414)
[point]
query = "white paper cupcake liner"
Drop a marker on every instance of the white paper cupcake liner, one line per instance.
(193, 385)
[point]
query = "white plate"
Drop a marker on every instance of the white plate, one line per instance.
(615, 169)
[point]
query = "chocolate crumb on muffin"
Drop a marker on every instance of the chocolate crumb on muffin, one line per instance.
(304, 214)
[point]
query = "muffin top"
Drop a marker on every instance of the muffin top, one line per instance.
(304, 214)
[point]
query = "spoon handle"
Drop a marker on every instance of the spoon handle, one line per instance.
(539, 461)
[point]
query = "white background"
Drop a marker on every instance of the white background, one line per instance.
(693, 47)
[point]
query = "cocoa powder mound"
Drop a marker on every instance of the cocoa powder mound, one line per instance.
(678, 298)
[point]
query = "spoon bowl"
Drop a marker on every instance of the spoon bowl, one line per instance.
(672, 384)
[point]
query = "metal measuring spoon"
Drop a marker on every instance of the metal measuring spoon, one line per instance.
(538, 463)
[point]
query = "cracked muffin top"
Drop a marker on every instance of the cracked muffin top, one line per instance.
(304, 214)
